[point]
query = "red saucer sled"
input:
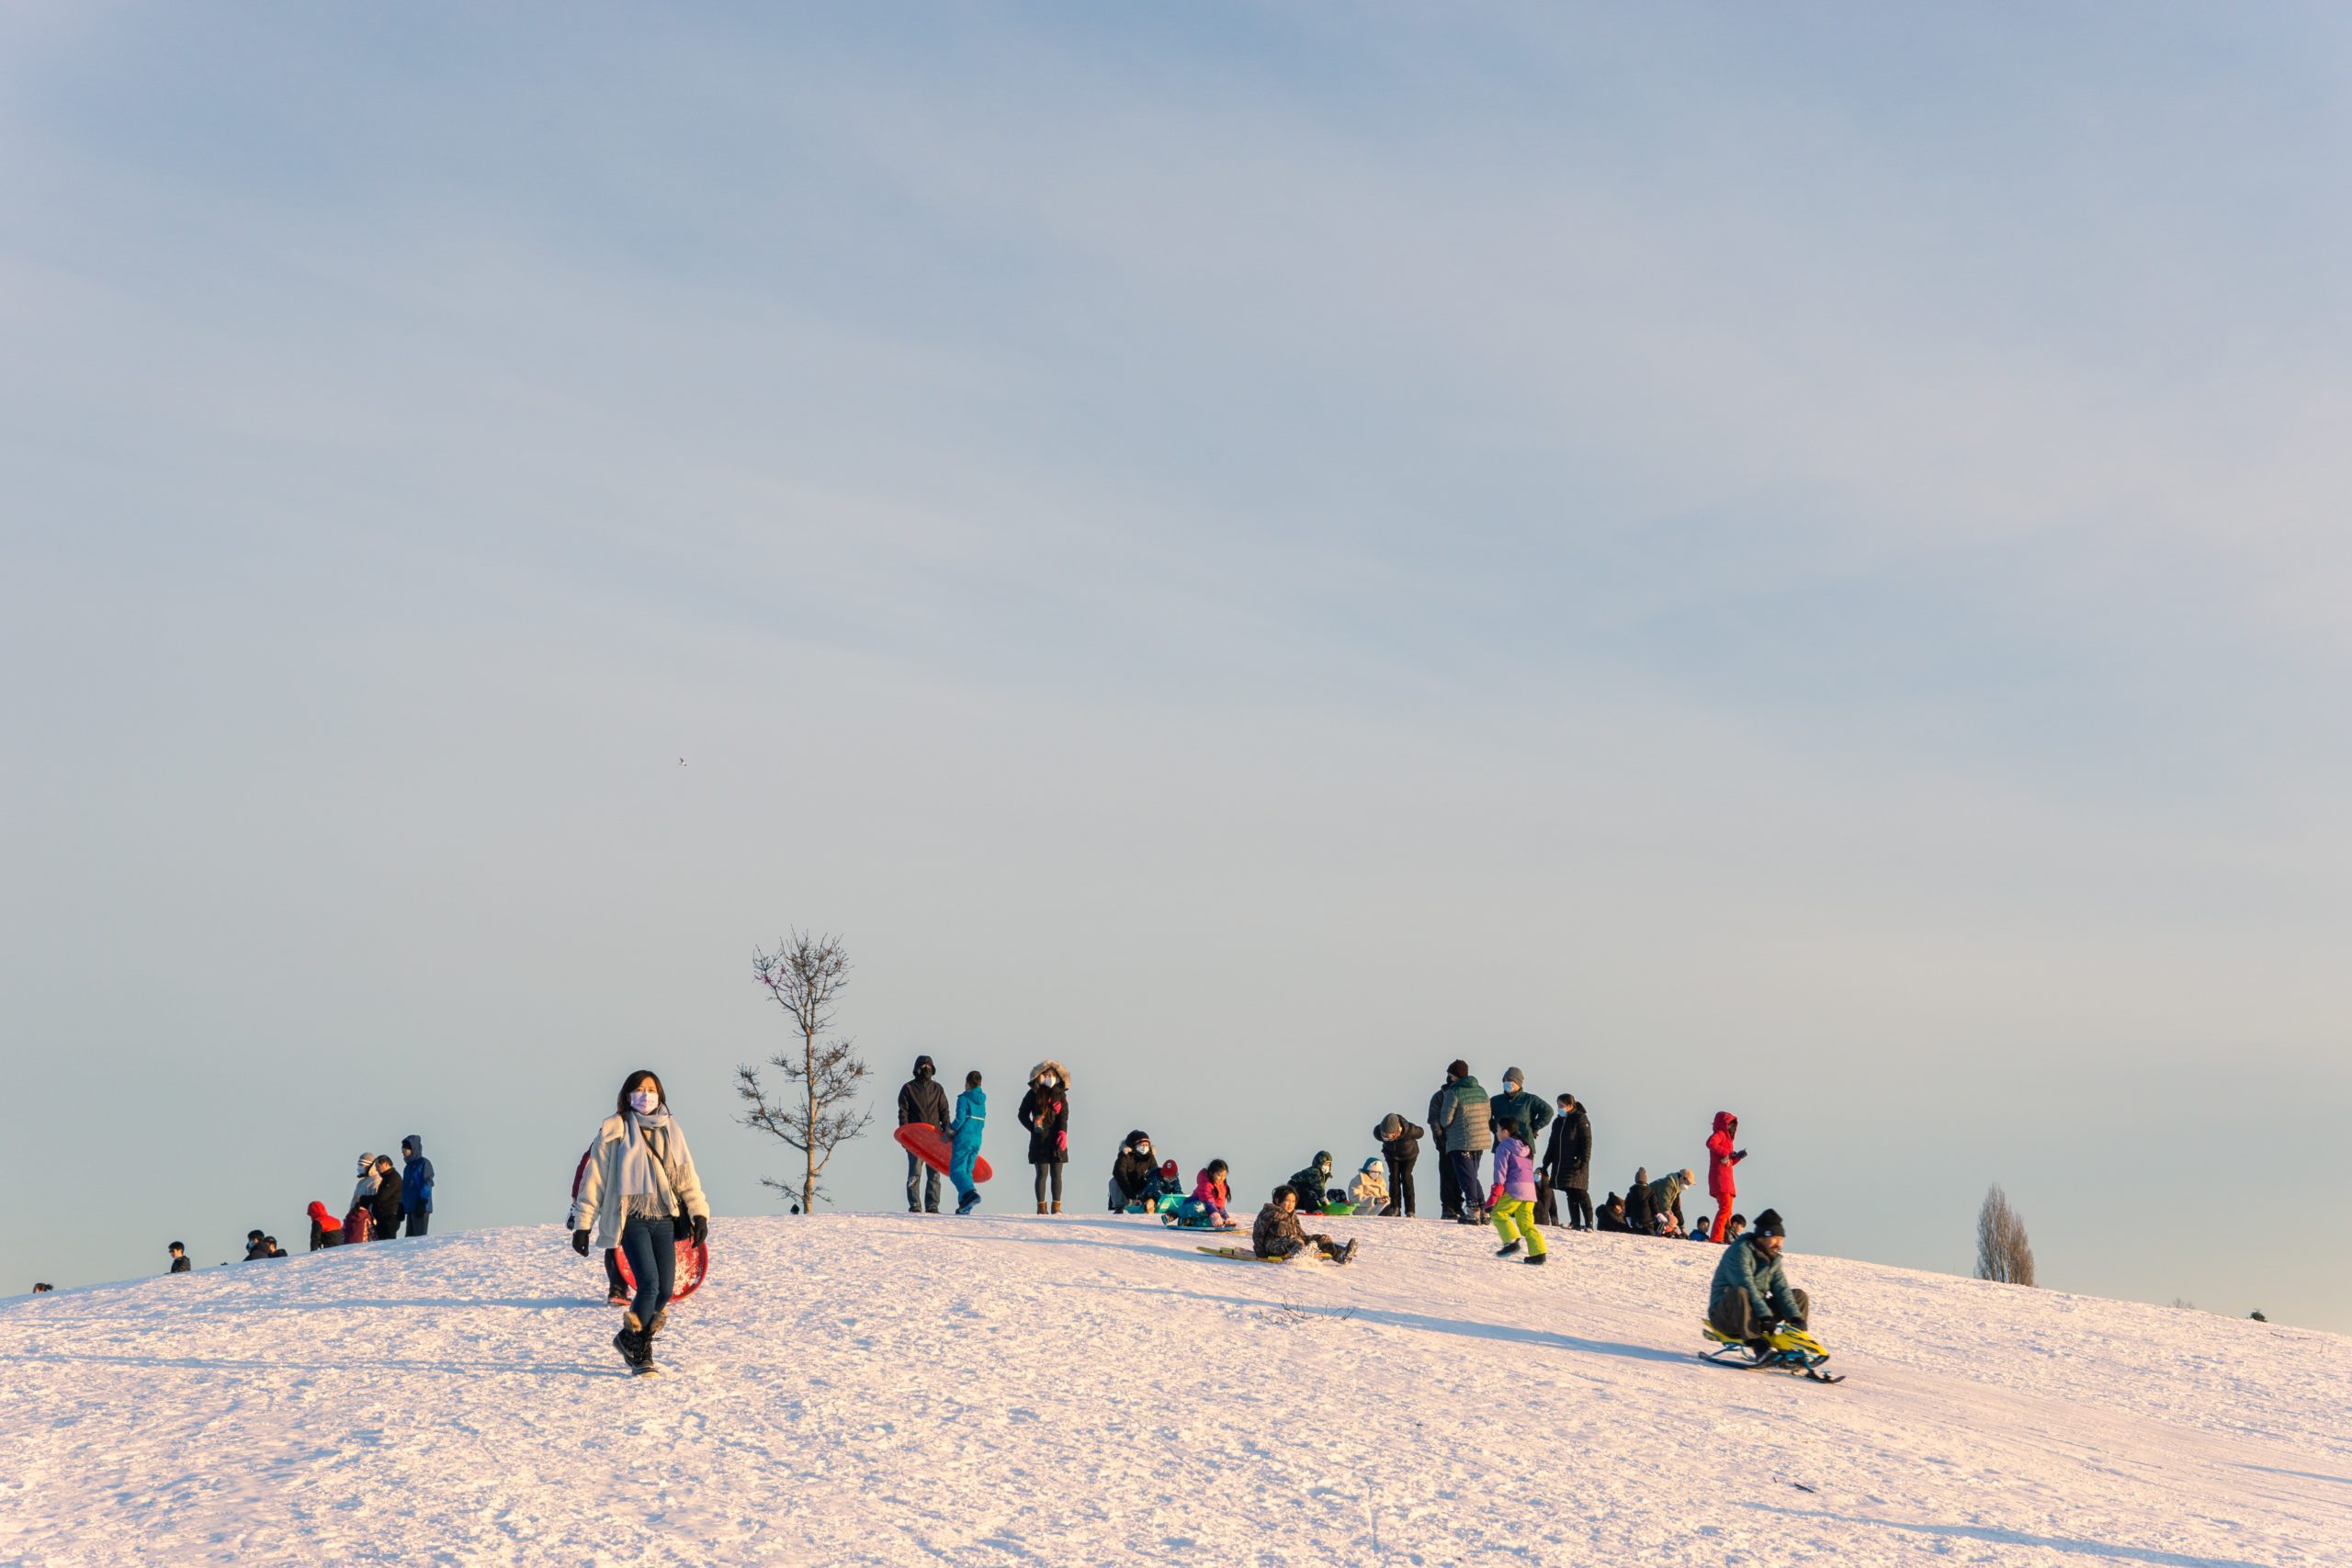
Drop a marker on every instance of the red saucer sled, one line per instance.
(694, 1257)
(694, 1267)
(925, 1142)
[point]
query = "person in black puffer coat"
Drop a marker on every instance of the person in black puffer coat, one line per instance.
(1637, 1202)
(387, 1202)
(1312, 1183)
(1135, 1174)
(1401, 1146)
(1045, 1110)
(1567, 1166)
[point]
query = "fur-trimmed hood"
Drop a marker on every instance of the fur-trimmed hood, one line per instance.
(1062, 1074)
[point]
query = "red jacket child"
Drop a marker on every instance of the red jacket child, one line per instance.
(1721, 1157)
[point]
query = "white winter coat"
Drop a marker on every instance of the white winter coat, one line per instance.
(598, 1207)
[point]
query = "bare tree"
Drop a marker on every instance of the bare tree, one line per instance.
(813, 1112)
(2002, 1251)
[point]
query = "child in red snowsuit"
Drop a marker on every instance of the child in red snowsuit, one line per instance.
(1721, 1158)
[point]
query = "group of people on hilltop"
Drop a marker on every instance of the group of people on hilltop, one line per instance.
(380, 1201)
(1044, 1113)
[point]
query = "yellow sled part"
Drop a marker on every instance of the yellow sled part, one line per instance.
(1781, 1338)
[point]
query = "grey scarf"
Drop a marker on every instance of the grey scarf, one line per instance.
(644, 1171)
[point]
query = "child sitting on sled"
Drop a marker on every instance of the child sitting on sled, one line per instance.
(1206, 1208)
(1277, 1233)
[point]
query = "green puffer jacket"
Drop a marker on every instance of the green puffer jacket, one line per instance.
(1745, 1267)
(1464, 1118)
(1666, 1192)
(1532, 1111)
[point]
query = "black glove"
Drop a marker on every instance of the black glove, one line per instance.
(700, 1225)
(579, 1243)
(1796, 1323)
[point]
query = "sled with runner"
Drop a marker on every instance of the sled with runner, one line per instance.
(1786, 1350)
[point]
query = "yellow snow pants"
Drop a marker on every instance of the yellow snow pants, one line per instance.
(1515, 1221)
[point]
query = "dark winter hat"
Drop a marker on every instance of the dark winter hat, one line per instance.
(1512, 1075)
(177, 1246)
(923, 1068)
(1322, 1156)
(1769, 1223)
(1458, 1069)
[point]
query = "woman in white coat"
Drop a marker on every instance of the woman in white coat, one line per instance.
(640, 1194)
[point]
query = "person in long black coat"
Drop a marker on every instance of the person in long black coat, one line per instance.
(1045, 1110)
(1567, 1166)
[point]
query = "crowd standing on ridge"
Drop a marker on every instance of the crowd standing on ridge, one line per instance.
(1519, 1194)
(637, 1195)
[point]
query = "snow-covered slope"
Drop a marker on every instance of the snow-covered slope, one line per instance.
(1090, 1390)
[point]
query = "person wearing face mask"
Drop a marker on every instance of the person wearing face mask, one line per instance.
(640, 1193)
(920, 1100)
(1134, 1175)
(1045, 1110)
(359, 1220)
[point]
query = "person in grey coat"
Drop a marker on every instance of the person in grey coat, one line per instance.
(1463, 1122)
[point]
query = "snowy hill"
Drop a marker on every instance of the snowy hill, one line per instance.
(870, 1389)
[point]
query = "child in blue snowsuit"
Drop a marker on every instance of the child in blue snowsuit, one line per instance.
(971, 1118)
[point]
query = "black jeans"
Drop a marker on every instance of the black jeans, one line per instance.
(417, 1219)
(1546, 1212)
(1449, 1187)
(1400, 1188)
(1466, 1178)
(1055, 1180)
(1580, 1207)
(613, 1285)
(916, 1171)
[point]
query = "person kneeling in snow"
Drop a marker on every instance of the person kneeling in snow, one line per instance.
(1751, 1295)
(1309, 1182)
(1277, 1235)
(325, 1229)
(1134, 1166)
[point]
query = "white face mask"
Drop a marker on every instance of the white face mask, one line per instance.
(643, 1102)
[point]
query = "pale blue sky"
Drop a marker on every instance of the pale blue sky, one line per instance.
(1788, 562)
